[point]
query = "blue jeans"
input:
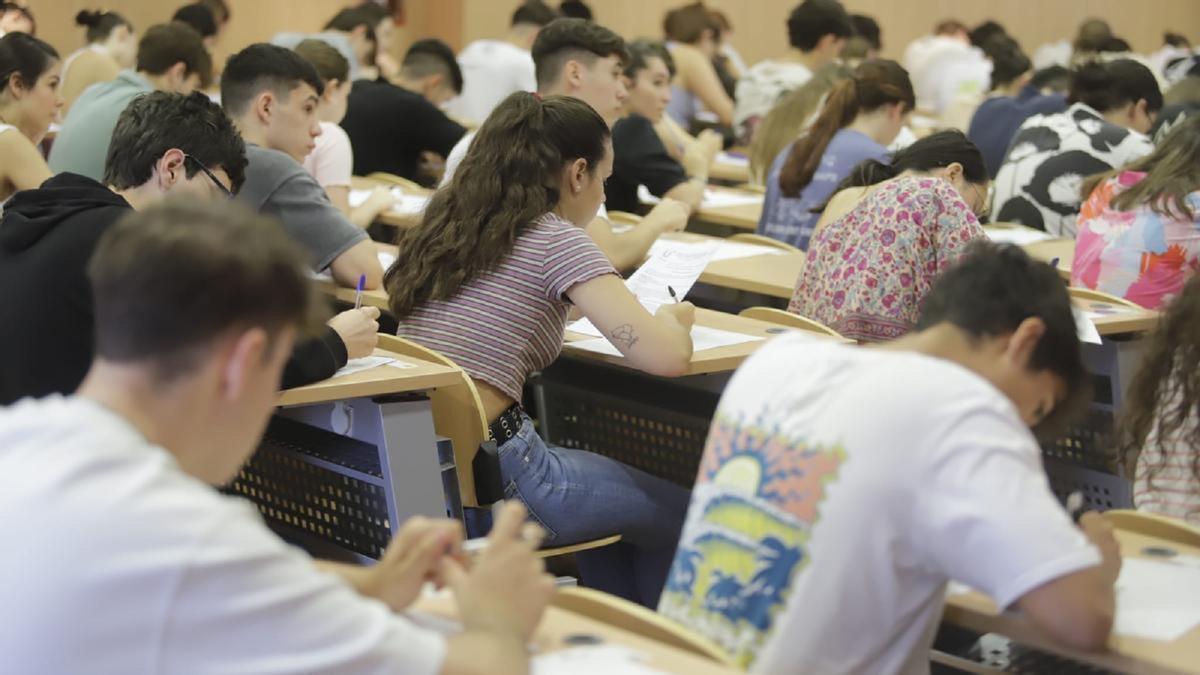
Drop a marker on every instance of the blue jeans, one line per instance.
(579, 496)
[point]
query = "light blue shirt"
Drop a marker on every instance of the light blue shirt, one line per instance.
(82, 144)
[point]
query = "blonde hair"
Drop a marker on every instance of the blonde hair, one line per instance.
(790, 117)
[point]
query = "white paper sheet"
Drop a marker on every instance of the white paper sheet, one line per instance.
(386, 259)
(713, 199)
(674, 264)
(703, 338)
(729, 250)
(1085, 328)
(603, 659)
(405, 204)
(1015, 235)
(1158, 600)
(732, 159)
(368, 362)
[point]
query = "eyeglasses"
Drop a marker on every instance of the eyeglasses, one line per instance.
(984, 202)
(211, 176)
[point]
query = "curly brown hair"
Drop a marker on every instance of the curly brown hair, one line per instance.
(1163, 403)
(508, 179)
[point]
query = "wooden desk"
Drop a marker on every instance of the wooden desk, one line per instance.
(1119, 319)
(557, 624)
(743, 217)
(377, 381)
(1063, 249)
(1126, 654)
(393, 218)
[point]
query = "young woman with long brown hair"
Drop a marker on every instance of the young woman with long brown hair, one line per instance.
(1160, 429)
(860, 118)
(488, 279)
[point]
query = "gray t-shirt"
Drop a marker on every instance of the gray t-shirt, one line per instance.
(82, 144)
(278, 185)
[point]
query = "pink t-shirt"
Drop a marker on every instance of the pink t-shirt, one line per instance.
(508, 322)
(332, 161)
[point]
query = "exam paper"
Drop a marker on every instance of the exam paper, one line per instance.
(1085, 328)
(703, 338)
(1157, 600)
(592, 660)
(676, 264)
(1015, 235)
(713, 199)
(368, 362)
(405, 204)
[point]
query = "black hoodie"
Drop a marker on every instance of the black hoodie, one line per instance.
(47, 236)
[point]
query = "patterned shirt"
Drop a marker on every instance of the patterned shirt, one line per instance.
(1039, 182)
(869, 271)
(508, 322)
(1139, 255)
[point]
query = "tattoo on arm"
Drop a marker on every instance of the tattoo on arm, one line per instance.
(623, 336)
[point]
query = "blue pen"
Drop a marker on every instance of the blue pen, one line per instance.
(1054, 263)
(362, 281)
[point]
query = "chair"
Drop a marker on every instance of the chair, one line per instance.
(392, 179)
(634, 618)
(1098, 296)
(1154, 525)
(760, 240)
(458, 415)
(779, 316)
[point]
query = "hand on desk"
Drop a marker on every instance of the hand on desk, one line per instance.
(1100, 532)
(359, 330)
(669, 215)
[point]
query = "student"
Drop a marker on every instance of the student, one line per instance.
(582, 59)
(1139, 230)
(696, 95)
(639, 157)
(866, 43)
(351, 33)
(728, 59)
(16, 18)
(1013, 99)
(331, 162)
(1158, 430)
(1112, 106)
(945, 65)
(201, 19)
(164, 144)
(171, 57)
(488, 279)
(493, 69)
(841, 488)
(130, 555)
(271, 94)
(868, 271)
(381, 63)
(111, 47)
(791, 118)
(860, 118)
(380, 141)
(817, 31)
(29, 103)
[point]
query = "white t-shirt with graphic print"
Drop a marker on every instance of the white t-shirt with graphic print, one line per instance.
(841, 488)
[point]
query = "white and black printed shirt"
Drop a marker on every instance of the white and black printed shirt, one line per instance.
(1050, 157)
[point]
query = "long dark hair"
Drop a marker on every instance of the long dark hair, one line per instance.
(508, 179)
(1172, 174)
(1164, 396)
(875, 83)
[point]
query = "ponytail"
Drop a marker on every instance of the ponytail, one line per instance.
(875, 84)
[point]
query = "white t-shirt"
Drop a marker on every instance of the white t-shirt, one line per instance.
(763, 85)
(492, 69)
(118, 562)
(841, 488)
(332, 160)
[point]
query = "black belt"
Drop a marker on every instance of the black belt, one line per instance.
(504, 427)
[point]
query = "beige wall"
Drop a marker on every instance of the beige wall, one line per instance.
(760, 31)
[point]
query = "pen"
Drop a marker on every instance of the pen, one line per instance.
(672, 292)
(1075, 505)
(1054, 262)
(362, 281)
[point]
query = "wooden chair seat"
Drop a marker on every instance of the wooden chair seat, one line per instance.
(1154, 525)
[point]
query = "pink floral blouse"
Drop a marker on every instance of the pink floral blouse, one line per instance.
(868, 271)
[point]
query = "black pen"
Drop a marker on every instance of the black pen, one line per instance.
(673, 296)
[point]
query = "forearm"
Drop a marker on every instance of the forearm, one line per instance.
(690, 192)
(484, 653)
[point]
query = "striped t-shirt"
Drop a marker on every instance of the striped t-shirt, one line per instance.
(1165, 481)
(508, 322)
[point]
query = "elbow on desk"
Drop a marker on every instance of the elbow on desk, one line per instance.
(1089, 630)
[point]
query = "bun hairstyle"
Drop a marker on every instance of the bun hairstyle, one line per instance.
(1106, 86)
(875, 84)
(100, 24)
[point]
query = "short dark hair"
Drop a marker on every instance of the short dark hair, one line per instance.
(565, 39)
(640, 53)
(152, 281)
(575, 9)
(166, 44)
(329, 62)
(24, 56)
(1008, 60)
(352, 17)
(1106, 86)
(219, 8)
(812, 20)
(431, 56)
(156, 122)
(260, 67)
(100, 24)
(198, 16)
(985, 31)
(990, 291)
(534, 12)
(1055, 78)
(867, 28)
(687, 24)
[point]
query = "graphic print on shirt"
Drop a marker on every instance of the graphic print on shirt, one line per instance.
(753, 509)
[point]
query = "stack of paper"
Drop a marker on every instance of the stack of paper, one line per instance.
(368, 362)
